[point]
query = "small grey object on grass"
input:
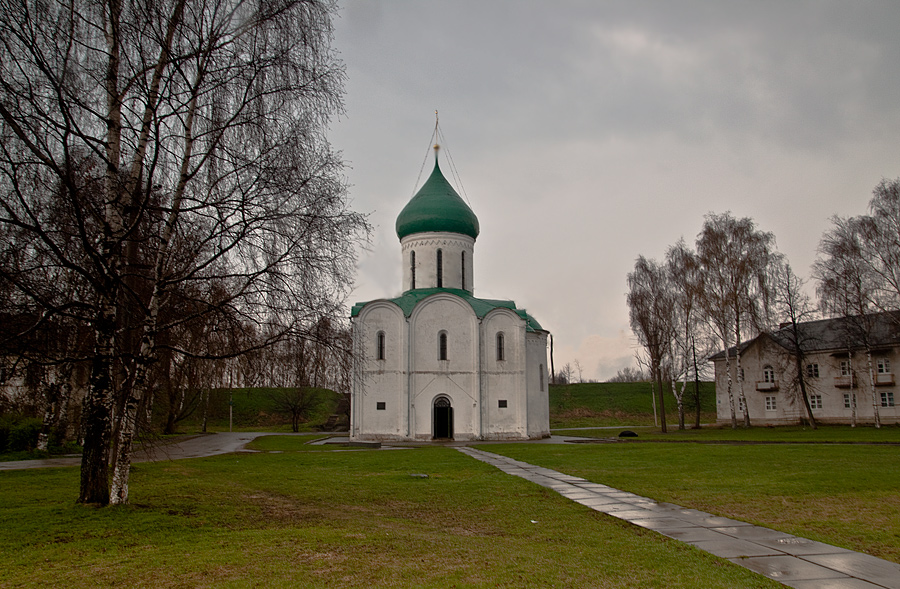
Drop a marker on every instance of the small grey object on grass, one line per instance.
(419, 476)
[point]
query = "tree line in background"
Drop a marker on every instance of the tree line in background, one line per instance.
(170, 207)
(735, 285)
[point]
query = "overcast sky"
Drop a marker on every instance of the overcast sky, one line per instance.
(586, 133)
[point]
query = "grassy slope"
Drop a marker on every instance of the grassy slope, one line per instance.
(254, 409)
(613, 404)
(332, 518)
(840, 494)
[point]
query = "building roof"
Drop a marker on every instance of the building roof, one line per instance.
(436, 207)
(879, 329)
(408, 301)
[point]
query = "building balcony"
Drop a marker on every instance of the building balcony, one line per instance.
(766, 386)
(846, 381)
(884, 379)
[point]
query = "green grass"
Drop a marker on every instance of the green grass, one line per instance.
(614, 404)
(843, 434)
(253, 409)
(332, 518)
(839, 494)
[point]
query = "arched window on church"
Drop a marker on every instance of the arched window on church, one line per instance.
(501, 351)
(379, 345)
(442, 345)
(412, 269)
(463, 265)
(440, 269)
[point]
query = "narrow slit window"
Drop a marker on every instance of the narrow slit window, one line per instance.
(380, 345)
(442, 346)
(463, 265)
(440, 269)
(501, 351)
(412, 270)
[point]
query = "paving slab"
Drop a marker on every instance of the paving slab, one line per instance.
(862, 566)
(692, 534)
(790, 560)
(755, 533)
(801, 546)
(847, 583)
(788, 568)
(734, 548)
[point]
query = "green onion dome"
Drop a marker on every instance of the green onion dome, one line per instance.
(437, 207)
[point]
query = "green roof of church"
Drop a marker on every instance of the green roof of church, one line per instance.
(436, 207)
(408, 301)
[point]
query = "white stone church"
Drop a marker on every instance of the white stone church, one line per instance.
(436, 363)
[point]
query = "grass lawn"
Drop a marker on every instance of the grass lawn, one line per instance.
(846, 495)
(824, 434)
(343, 518)
(627, 404)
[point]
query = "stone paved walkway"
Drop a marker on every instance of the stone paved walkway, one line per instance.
(790, 560)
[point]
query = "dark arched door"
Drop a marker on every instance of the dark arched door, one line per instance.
(443, 419)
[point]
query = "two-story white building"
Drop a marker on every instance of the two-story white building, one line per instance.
(836, 371)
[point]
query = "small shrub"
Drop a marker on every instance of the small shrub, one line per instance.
(23, 436)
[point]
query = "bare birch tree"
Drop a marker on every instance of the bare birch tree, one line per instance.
(185, 143)
(734, 258)
(684, 278)
(792, 303)
(847, 287)
(650, 305)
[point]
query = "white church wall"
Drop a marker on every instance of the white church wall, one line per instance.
(457, 376)
(537, 385)
(380, 395)
(504, 380)
(426, 245)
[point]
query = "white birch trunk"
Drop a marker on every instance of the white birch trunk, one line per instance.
(875, 401)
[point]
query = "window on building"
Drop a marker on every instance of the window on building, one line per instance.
(379, 345)
(845, 367)
(849, 400)
(380, 405)
(768, 374)
(501, 403)
(541, 375)
(442, 346)
(771, 404)
(815, 401)
(883, 365)
(887, 399)
(412, 270)
(741, 374)
(501, 352)
(812, 370)
(463, 266)
(440, 269)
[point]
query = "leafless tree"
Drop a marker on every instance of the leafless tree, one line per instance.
(629, 374)
(685, 281)
(735, 257)
(792, 303)
(847, 288)
(878, 239)
(579, 370)
(650, 304)
(164, 147)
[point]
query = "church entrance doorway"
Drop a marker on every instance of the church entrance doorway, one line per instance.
(443, 419)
